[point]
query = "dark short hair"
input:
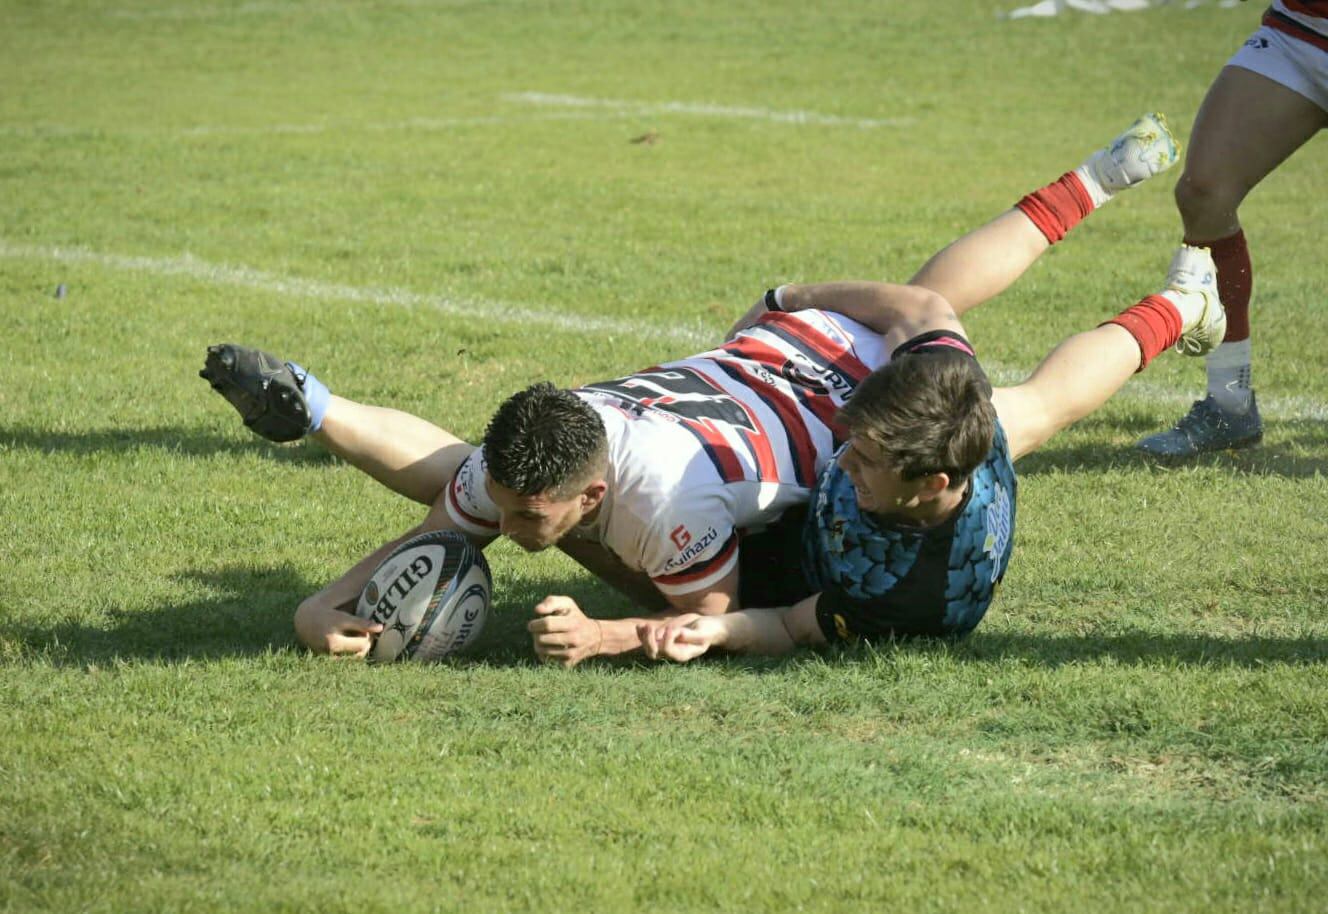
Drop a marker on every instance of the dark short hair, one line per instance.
(928, 411)
(544, 439)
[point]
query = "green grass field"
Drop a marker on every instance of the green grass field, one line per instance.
(433, 204)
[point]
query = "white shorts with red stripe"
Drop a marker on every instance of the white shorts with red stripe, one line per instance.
(1288, 55)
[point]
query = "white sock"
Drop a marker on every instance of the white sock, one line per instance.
(1189, 304)
(1229, 376)
(1091, 184)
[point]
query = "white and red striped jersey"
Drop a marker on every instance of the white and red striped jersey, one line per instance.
(704, 448)
(1303, 19)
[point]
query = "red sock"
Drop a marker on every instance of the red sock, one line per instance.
(1155, 325)
(1235, 282)
(1058, 207)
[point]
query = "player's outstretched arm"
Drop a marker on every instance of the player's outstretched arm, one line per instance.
(325, 621)
(897, 312)
(749, 631)
(891, 309)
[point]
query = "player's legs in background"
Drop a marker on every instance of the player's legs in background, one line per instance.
(983, 263)
(281, 401)
(1247, 126)
(1084, 371)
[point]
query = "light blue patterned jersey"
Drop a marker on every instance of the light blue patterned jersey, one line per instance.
(894, 580)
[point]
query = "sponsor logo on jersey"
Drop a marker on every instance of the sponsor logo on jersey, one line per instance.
(699, 545)
(680, 536)
(818, 379)
(466, 479)
(998, 530)
(463, 499)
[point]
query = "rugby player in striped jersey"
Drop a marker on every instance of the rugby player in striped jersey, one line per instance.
(652, 480)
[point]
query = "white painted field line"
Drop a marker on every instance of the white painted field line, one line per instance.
(423, 124)
(267, 8)
(479, 310)
(548, 100)
(573, 108)
(695, 335)
(412, 123)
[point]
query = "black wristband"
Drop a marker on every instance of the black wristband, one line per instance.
(771, 303)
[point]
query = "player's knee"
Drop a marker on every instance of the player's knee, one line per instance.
(1203, 194)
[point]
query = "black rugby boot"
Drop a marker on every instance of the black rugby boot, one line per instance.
(264, 390)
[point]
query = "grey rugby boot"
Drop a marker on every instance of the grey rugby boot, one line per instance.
(1206, 428)
(266, 392)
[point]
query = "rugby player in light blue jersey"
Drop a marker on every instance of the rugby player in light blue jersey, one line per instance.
(911, 524)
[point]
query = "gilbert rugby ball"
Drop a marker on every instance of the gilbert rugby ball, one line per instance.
(431, 596)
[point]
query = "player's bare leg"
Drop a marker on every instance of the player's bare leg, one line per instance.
(986, 261)
(1083, 372)
(411, 456)
(1247, 126)
(983, 263)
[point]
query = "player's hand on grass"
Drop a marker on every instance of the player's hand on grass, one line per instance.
(562, 633)
(328, 630)
(681, 639)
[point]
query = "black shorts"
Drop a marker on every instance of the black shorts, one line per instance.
(770, 564)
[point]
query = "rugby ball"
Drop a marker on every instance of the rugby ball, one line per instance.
(431, 596)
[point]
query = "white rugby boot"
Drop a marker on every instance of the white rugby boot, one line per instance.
(1146, 148)
(1192, 288)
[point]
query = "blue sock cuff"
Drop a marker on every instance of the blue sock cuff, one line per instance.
(316, 395)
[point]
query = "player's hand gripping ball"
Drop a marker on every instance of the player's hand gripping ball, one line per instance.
(431, 596)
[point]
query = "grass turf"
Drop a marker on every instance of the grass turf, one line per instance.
(1139, 724)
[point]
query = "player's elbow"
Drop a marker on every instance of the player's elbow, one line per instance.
(921, 305)
(934, 303)
(914, 310)
(306, 627)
